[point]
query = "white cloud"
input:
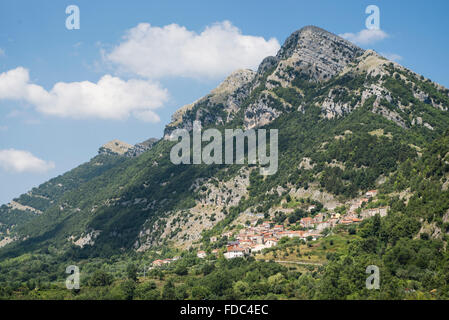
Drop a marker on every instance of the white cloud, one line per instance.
(12, 160)
(172, 50)
(391, 56)
(365, 36)
(109, 98)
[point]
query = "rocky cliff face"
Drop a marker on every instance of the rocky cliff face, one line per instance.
(219, 106)
(117, 147)
(313, 67)
(140, 148)
(316, 52)
(311, 51)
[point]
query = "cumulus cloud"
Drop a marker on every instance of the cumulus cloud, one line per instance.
(172, 50)
(109, 98)
(12, 160)
(392, 56)
(365, 36)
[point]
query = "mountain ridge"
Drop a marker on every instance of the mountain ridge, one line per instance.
(323, 93)
(290, 66)
(306, 36)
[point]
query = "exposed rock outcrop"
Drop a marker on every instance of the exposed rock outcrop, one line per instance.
(219, 106)
(115, 147)
(140, 148)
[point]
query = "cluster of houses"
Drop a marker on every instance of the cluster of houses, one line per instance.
(255, 238)
(202, 254)
(159, 263)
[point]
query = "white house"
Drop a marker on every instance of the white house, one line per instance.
(234, 252)
(271, 242)
(371, 193)
(322, 225)
(258, 248)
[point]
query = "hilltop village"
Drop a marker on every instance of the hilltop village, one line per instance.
(257, 236)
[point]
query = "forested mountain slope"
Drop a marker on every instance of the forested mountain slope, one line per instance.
(349, 121)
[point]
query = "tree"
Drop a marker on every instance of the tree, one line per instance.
(240, 289)
(276, 282)
(181, 269)
(181, 292)
(100, 279)
(131, 272)
(168, 291)
(128, 287)
(207, 268)
(352, 230)
(200, 293)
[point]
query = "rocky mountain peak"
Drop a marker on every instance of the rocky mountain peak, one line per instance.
(115, 147)
(317, 52)
(311, 51)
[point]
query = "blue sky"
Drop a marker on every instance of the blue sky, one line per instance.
(42, 135)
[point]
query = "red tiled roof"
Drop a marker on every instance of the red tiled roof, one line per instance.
(235, 249)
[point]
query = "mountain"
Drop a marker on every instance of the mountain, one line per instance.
(117, 147)
(316, 57)
(349, 121)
